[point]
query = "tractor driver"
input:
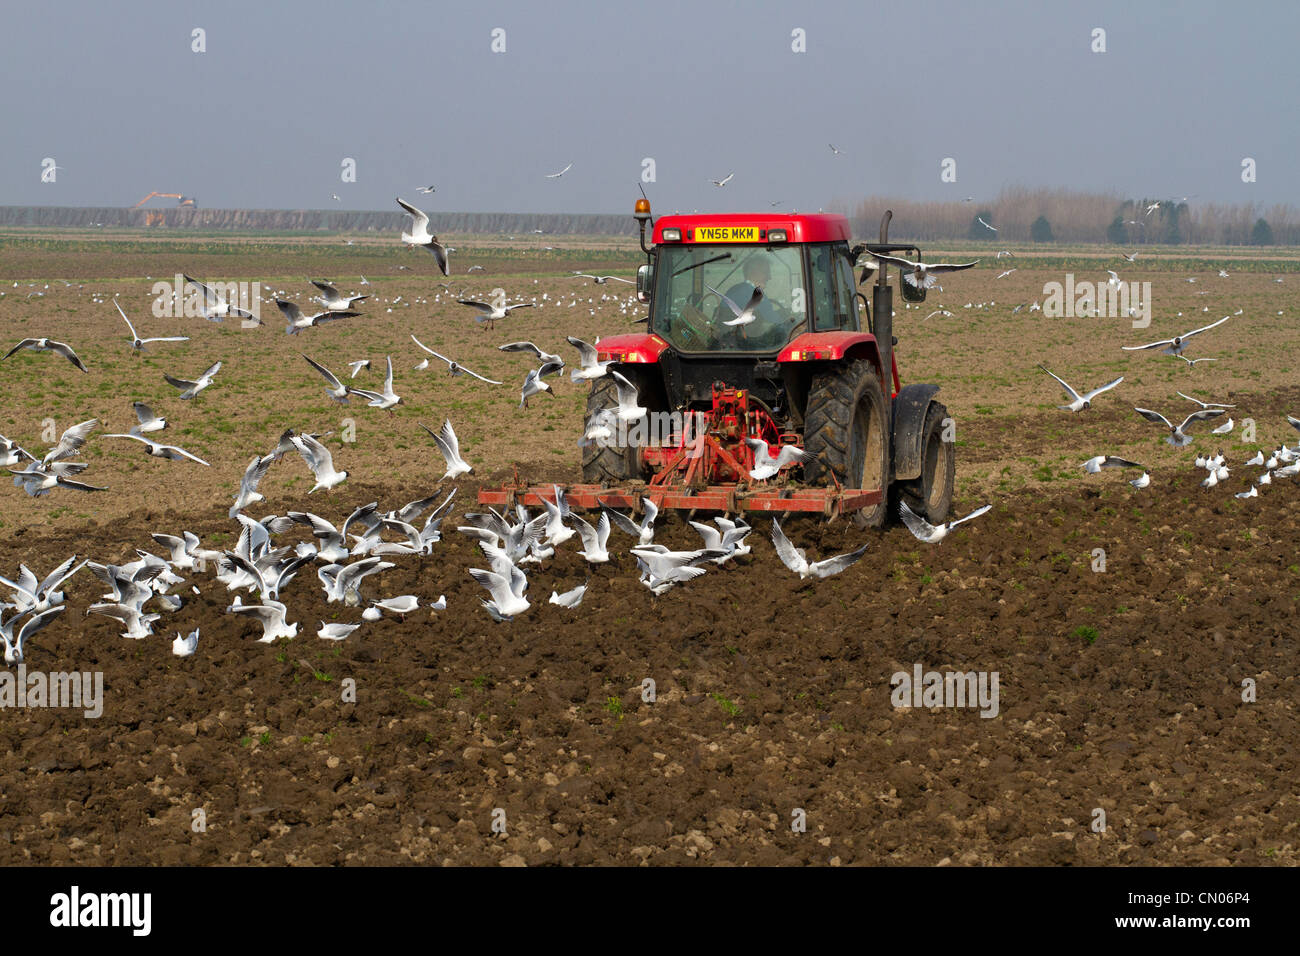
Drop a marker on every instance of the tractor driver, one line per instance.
(767, 330)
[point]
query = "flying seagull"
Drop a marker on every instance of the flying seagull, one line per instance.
(490, 313)
(169, 452)
(722, 182)
(213, 307)
(742, 316)
(337, 390)
(420, 236)
(919, 274)
(1175, 345)
(426, 189)
(589, 366)
(766, 464)
(1177, 437)
(1204, 404)
(48, 345)
(560, 173)
(602, 280)
(297, 321)
(385, 399)
(984, 224)
(797, 560)
(454, 367)
(450, 448)
(1094, 465)
(320, 461)
(190, 389)
(71, 442)
(1079, 402)
(930, 534)
(332, 300)
(137, 343)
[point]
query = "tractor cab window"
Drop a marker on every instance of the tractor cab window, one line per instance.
(700, 288)
(847, 307)
(826, 315)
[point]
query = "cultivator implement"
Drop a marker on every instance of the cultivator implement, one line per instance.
(706, 468)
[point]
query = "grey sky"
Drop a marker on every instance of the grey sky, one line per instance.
(412, 91)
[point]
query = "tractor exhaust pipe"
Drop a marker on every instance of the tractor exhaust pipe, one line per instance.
(882, 310)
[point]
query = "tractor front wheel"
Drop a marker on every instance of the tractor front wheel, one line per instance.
(605, 463)
(846, 425)
(930, 495)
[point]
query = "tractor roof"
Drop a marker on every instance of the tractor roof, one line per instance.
(753, 227)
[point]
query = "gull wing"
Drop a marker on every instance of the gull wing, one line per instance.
(1153, 417)
(791, 557)
(1205, 328)
(1105, 388)
(325, 373)
(421, 218)
(1069, 390)
(979, 511)
(1200, 415)
(919, 527)
(838, 563)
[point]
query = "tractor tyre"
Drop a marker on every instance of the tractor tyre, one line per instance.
(930, 495)
(846, 424)
(607, 464)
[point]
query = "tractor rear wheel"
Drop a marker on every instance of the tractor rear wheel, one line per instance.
(930, 495)
(606, 463)
(846, 425)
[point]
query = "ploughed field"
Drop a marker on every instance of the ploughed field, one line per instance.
(1118, 689)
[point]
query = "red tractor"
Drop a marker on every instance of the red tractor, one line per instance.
(809, 362)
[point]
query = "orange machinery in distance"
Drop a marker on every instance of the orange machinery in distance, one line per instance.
(152, 218)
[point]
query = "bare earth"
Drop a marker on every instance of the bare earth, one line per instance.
(1120, 690)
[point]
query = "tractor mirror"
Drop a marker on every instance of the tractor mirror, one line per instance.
(645, 280)
(910, 292)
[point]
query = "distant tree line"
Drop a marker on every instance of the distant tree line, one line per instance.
(1055, 215)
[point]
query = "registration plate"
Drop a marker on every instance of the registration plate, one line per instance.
(726, 234)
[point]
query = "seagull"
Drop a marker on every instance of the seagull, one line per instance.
(936, 312)
(1252, 493)
(1175, 345)
(48, 345)
(1094, 465)
(1223, 429)
(1205, 404)
(70, 442)
(1079, 402)
(1152, 208)
(14, 646)
(661, 568)
(560, 173)
(450, 447)
(11, 453)
(320, 461)
(833, 149)
(1192, 362)
(628, 410)
(337, 390)
(984, 224)
(185, 646)
(1176, 436)
(490, 313)
(602, 280)
(796, 559)
(426, 189)
(271, 614)
(169, 452)
(332, 300)
(190, 389)
(728, 538)
(569, 599)
(930, 534)
(420, 236)
(595, 541)
(1003, 275)
(357, 366)
(1129, 258)
(643, 532)
(385, 399)
(919, 274)
(343, 583)
(137, 343)
(546, 358)
(1141, 482)
(722, 182)
(253, 474)
(297, 321)
(213, 307)
(742, 316)
(335, 632)
(766, 464)
(38, 482)
(507, 590)
(149, 422)
(534, 383)
(454, 367)
(138, 624)
(589, 366)
(1006, 252)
